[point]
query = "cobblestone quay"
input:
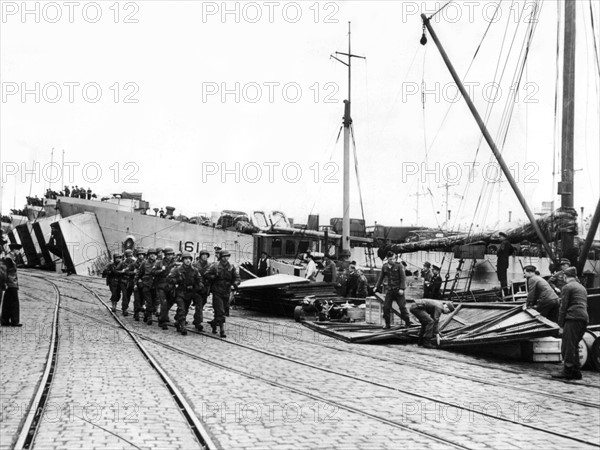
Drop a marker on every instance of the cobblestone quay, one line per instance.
(271, 384)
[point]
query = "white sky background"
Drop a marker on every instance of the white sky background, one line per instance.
(174, 52)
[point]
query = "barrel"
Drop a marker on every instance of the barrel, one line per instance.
(592, 342)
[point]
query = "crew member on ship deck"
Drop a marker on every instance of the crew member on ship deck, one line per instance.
(394, 272)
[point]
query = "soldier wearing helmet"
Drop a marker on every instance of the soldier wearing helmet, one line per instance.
(203, 265)
(138, 299)
(186, 282)
(113, 280)
(146, 284)
(224, 276)
(127, 271)
(164, 297)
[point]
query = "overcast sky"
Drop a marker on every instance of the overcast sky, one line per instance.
(162, 97)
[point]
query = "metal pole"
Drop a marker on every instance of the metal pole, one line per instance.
(565, 186)
(488, 138)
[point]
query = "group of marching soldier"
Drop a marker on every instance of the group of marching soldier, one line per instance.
(158, 279)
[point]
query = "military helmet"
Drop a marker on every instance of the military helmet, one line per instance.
(169, 250)
(186, 255)
(204, 252)
(140, 251)
(117, 255)
(159, 249)
(128, 252)
(224, 253)
(151, 250)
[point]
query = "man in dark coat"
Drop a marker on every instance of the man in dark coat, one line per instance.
(540, 295)
(187, 285)
(572, 318)
(428, 312)
(427, 276)
(164, 293)
(435, 286)
(504, 252)
(263, 265)
(203, 265)
(146, 284)
(329, 270)
(127, 271)
(10, 303)
(396, 278)
(558, 279)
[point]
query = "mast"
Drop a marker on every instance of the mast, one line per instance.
(347, 123)
(565, 186)
(487, 136)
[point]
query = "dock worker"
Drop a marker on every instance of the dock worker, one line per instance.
(113, 279)
(396, 278)
(146, 284)
(573, 319)
(11, 312)
(427, 276)
(203, 265)
(164, 296)
(138, 299)
(361, 288)
(311, 268)
(540, 295)
(558, 279)
(436, 283)
(505, 250)
(329, 270)
(224, 277)
(187, 284)
(127, 271)
(263, 266)
(428, 312)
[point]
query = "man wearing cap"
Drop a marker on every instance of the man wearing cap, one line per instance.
(138, 299)
(187, 283)
(435, 286)
(262, 269)
(558, 279)
(217, 251)
(10, 303)
(505, 250)
(146, 283)
(428, 312)
(224, 276)
(540, 295)
(427, 276)
(127, 271)
(396, 278)
(573, 319)
(202, 265)
(113, 280)
(160, 254)
(164, 294)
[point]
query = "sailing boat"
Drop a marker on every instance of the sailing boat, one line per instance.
(562, 225)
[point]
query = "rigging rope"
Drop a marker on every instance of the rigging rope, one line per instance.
(362, 208)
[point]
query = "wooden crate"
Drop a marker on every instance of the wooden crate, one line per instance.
(545, 349)
(374, 311)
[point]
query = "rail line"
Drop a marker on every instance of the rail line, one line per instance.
(354, 378)
(198, 429)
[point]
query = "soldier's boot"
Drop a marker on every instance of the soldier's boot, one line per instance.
(199, 327)
(222, 331)
(164, 326)
(149, 321)
(213, 325)
(125, 313)
(387, 324)
(183, 330)
(114, 307)
(136, 316)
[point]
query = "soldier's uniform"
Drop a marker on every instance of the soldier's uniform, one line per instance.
(396, 282)
(223, 276)
(187, 283)
(138, 299)
(11, 313)
(203, 266)
(127, 271)
(164, 293)
(113, 280)
(428, 312)
(146, 283)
